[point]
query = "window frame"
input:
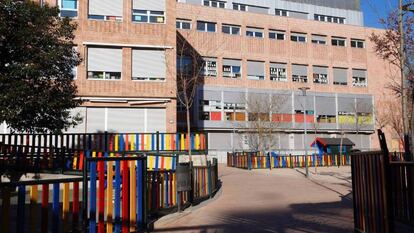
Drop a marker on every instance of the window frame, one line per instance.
(231, 28)
(357, 42)
(231, 74)
(338, 39)
(148, 15)
(239, 7)
(317, 41)
(254, 33)
(282, 12)
(275, 75)
(298, 35)
(206, 26)
(277, 34)
(60, 4)
(181, 21)
(210, 3)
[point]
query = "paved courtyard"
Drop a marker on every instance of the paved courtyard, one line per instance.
(280, 200)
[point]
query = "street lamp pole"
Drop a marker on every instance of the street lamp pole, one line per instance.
(304, 89)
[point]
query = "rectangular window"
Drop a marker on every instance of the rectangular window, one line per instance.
(210, 110)
(213, 3)
(298, 37)
(337, 41)
(234, 111)
(254, 32)
(209, 67)
(340, 76)
(300, 73)
(255, 70)
(68, 8)
(230, 29)
(144, 11)
(240, 7)
(355, 43)
(183, 24)
(104, 63)
(277, 35)
(206, 26)
(278, 72)
(106, 10)
(320, 74)
(359, 78)
(281, 12)
(232, 68)
(318, 39)
(148, 65)
(329, 19)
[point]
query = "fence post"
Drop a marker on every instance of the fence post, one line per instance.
(249, 161)
(157, 145)
(209, 179)
(290, 161)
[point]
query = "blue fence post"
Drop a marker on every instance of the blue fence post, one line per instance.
(92, 198)
(117, 196)
(249, 161)
(56, 208)
(21, 196)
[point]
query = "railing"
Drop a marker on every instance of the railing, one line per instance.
(255, 160)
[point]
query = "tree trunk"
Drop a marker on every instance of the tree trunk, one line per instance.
(189, 133)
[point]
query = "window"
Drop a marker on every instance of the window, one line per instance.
(68, 8)
(146, 16)
(300, 73)
(206, 26)
(278, 35)
(340, 76)
(254, 32)
(255, 70)
(298, 37)
(320, 74)
(148, 65)
(359, 78)
(234, 111)
(212, 3)
(326, 118)
(357, 43)
(210, 110)
(209, 67)
(184, 65)
(110, 10)
(183, 24)
(104, 63)
(231, 68)
(239, 7)
(318, 39)
(329, 19)
(230, 29)
(336, 41)
(281, 12)
(278, 72)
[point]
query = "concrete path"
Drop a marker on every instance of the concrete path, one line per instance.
(271, 201)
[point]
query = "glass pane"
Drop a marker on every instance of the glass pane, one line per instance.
(70, 4)
(186, 25)
(70, 14)
(236, 31)
(280, 36)
(140, 18)
(177, 25)
(249, 33)
(201, 26)
(259, 34)
(226, 29)
(211, 27)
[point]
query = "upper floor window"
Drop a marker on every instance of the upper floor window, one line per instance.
(148, 65)
(281, 12)
(255, 70)
(298, 37)
(336, 41)
(355, 43)
(254, 32)
(209, 67)
(239, 7)
(183, 24)
(278, 72)
(106, 10)
(230, 29)
(330, 19)
(206, 26)
(148, 11)
(232, 68)
(104, 63)
(318, 39)
(278, 35)
(68, 8)
(320, 74)
(359, 78)
(299, 73)
(212, 3)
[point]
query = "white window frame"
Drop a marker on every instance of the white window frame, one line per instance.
(212, 106)
(319, 42)
(232, 74)
(210, 68)
(239, 5)
(278, 74)
(297, 37)
(67, 9)
(356, 81)
(357, 43)
(181, 21)
(329, 19)
(205, 26)
(148, 14)
(320, 79)
(299, 78)
(254, 32)
(277, 33)
(281, 12)
(104, 74)
(211, 2)
(337, 43)
(231, 27)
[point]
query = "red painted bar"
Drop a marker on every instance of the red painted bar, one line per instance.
(125, 198)
(45, 205)
(101, 195)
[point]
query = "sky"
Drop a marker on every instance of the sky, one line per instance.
(376, 9)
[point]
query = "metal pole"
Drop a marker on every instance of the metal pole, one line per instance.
(304, 89)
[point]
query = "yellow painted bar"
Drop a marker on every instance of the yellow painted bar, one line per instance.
(182, 140)
(148, 142)
(34, 193)
(132, 141)
(151, 162)
(75, 160)
(174, 196)
(65, 207)
(167, 142)
(132, 196)
(197, 141)
(109, 198)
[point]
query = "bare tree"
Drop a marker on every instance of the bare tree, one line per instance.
(264, 120)
(388, 47)
(390, 116)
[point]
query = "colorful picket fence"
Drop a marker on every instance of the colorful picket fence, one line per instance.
(205, 180)
(254, 160)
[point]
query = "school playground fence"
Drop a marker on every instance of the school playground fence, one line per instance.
(37, 152)
(256, 160)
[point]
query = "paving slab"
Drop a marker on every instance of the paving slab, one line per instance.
(278, 200)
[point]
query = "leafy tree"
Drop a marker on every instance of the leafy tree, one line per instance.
(36, 59)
